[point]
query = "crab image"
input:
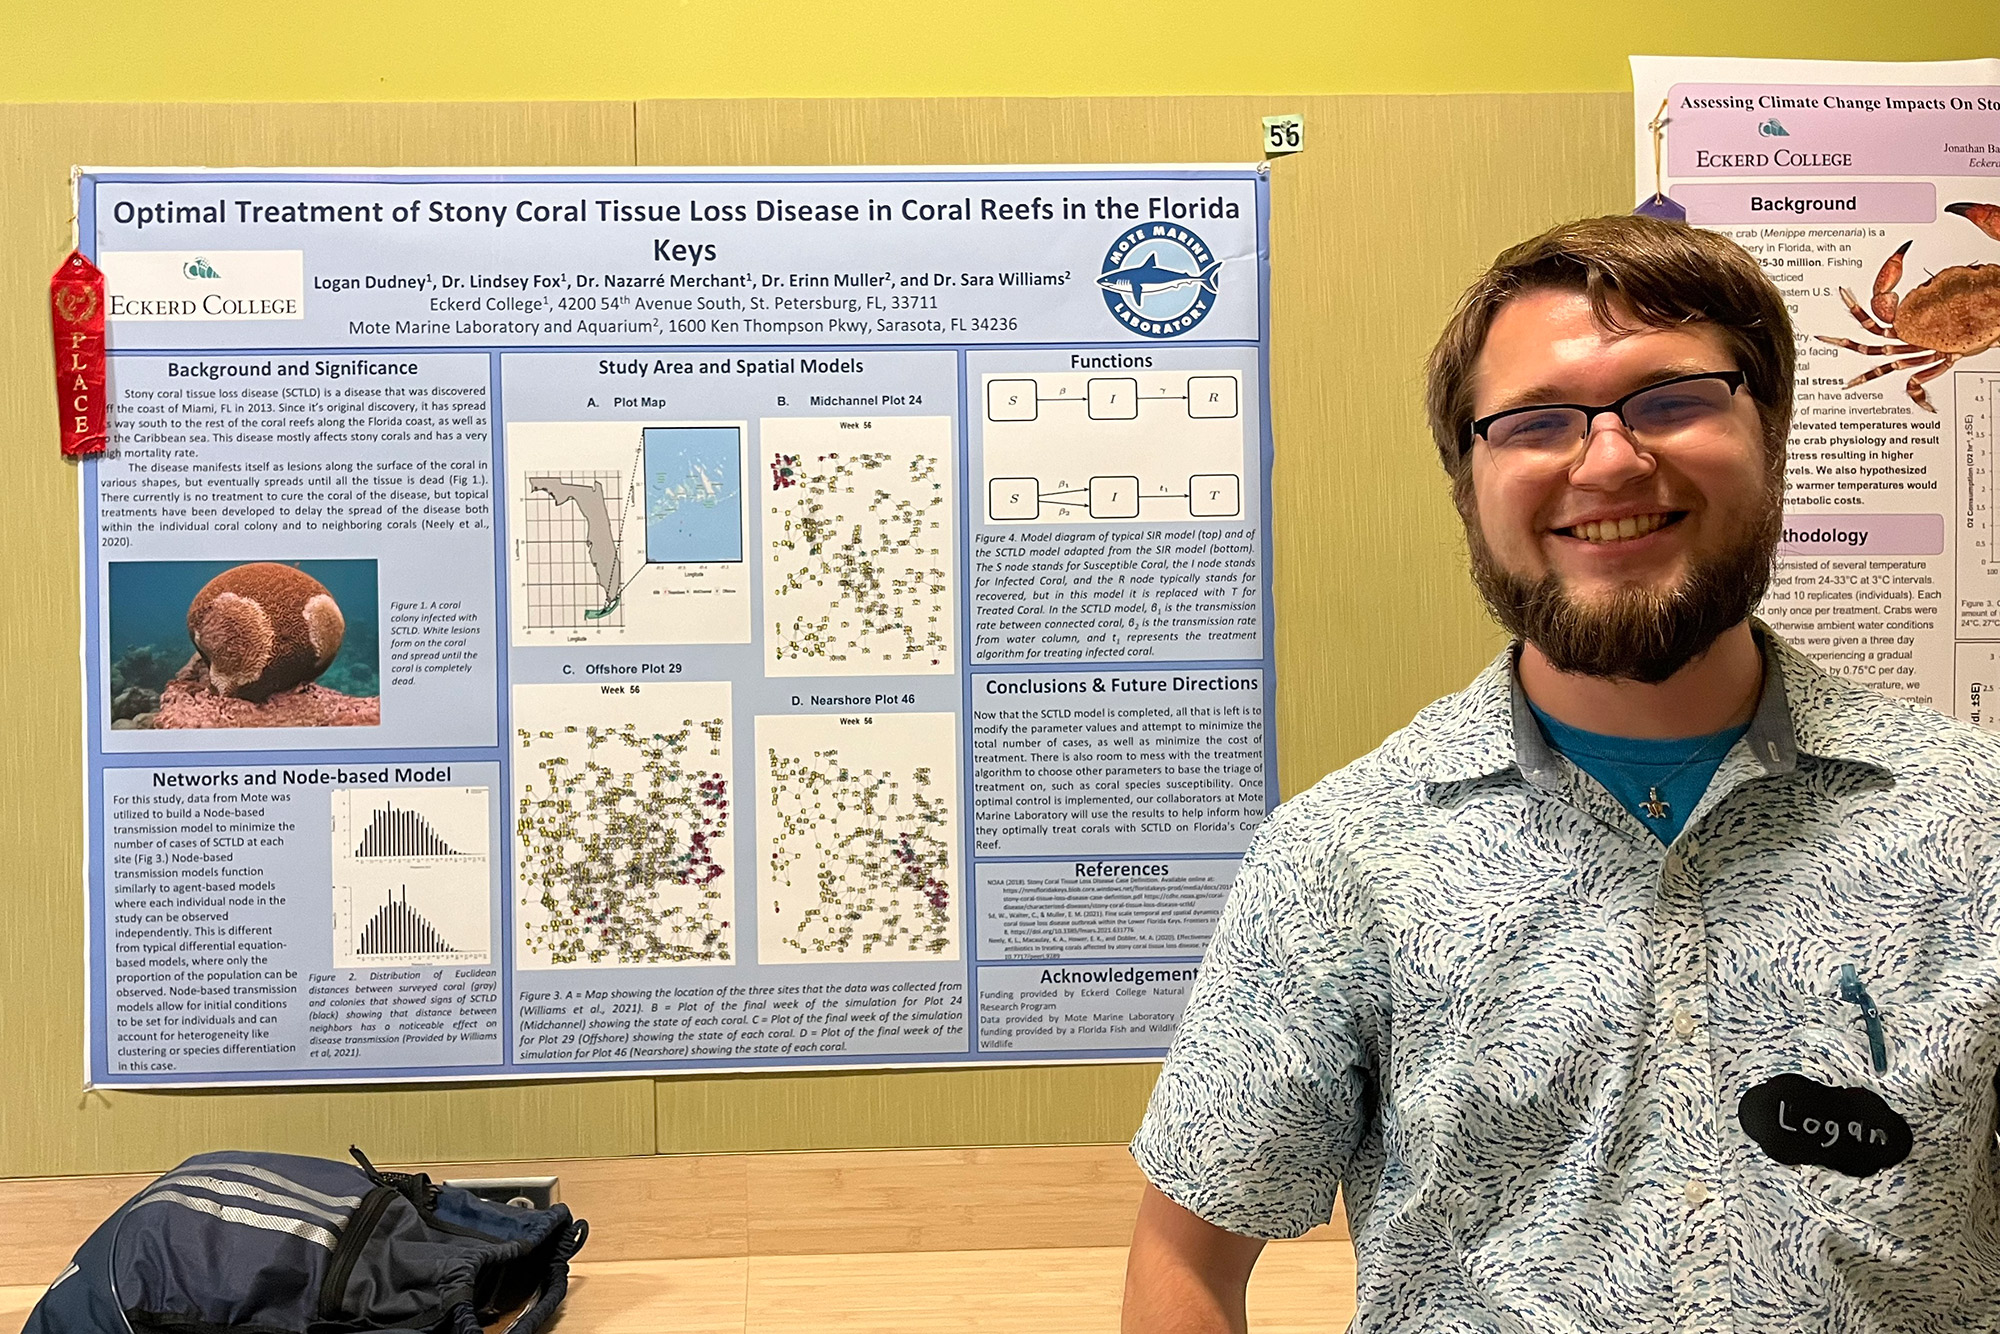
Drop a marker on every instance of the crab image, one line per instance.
(1952, 315)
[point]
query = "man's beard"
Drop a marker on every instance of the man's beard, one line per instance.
(1636, 633)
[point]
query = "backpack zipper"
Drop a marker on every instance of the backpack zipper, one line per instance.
(348, 1250)
(1854, 993)
(416, 1187)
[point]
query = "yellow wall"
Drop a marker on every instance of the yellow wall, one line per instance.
(447, 50)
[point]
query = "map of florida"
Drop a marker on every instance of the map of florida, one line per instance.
(588, 497)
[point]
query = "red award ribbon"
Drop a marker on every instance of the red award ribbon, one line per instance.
(76, 309)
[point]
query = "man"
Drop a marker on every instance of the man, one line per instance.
(1652, 982)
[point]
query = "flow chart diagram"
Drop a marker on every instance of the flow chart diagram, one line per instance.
(1074, 447)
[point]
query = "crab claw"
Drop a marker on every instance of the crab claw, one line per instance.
(1986, 217)
(1885, 302)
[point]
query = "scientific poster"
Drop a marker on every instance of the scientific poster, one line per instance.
(1870, 193)
(554, 624)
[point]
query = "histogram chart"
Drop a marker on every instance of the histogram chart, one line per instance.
(412, 879)
(394, 833)
(398, 929)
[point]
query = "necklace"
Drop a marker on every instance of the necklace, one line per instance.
(1657, 807)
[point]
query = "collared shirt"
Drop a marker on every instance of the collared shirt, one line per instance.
(1660, 781)
(1460, 981)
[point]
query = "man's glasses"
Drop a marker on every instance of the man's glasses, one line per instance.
(1685, 409)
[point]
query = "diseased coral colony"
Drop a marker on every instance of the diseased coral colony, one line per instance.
(869, 852)
(878, 574)
(263, 634)
(619, 842)
(264, 627)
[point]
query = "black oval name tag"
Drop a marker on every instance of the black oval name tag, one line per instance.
(1798, 1120)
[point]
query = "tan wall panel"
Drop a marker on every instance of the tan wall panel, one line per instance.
(1051, 1104)
(1371, 246)
(47, 1123)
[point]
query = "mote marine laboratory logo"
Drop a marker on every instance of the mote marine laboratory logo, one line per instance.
(1159, 279)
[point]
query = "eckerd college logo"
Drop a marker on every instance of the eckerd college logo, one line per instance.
(1159, 279)
(204, 285)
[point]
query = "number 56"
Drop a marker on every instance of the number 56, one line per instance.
(1284, 134)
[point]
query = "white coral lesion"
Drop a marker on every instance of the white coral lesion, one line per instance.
(235, 638)
(325, 627)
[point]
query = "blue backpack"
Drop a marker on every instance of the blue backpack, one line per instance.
(277, 1244)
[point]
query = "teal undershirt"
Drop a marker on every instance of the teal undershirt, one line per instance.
(1629, 767)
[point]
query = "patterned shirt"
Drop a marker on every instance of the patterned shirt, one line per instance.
(1460, 981)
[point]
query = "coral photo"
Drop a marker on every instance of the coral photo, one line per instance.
(259, 644)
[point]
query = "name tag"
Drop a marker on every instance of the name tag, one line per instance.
(1798, 1120)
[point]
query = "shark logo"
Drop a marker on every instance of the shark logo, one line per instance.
(199, 267)
(1159, 279)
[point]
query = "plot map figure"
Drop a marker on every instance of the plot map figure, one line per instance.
(859, 547)
(856, 824)
(621, 532)
(600, 533)
(694, 493)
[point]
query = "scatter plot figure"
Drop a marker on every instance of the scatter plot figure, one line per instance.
(857, 838)
(860, 544)
(622, 820)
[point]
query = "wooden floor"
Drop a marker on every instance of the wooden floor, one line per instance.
(1298, 1287)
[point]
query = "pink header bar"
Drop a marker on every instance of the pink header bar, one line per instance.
(1751, 129)
(1859, 201)
(1862, 535)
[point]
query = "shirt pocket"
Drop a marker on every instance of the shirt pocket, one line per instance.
(1939, 1052)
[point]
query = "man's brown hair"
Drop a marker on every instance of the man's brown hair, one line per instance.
(1638, 273)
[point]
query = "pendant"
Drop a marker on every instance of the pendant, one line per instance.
(1655, 808)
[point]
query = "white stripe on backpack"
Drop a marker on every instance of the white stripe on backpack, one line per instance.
(229, 1213)
(272, 1178)
(248, 1192)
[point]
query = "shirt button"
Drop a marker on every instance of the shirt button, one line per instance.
(1696, 1193)
(1683, 1023)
